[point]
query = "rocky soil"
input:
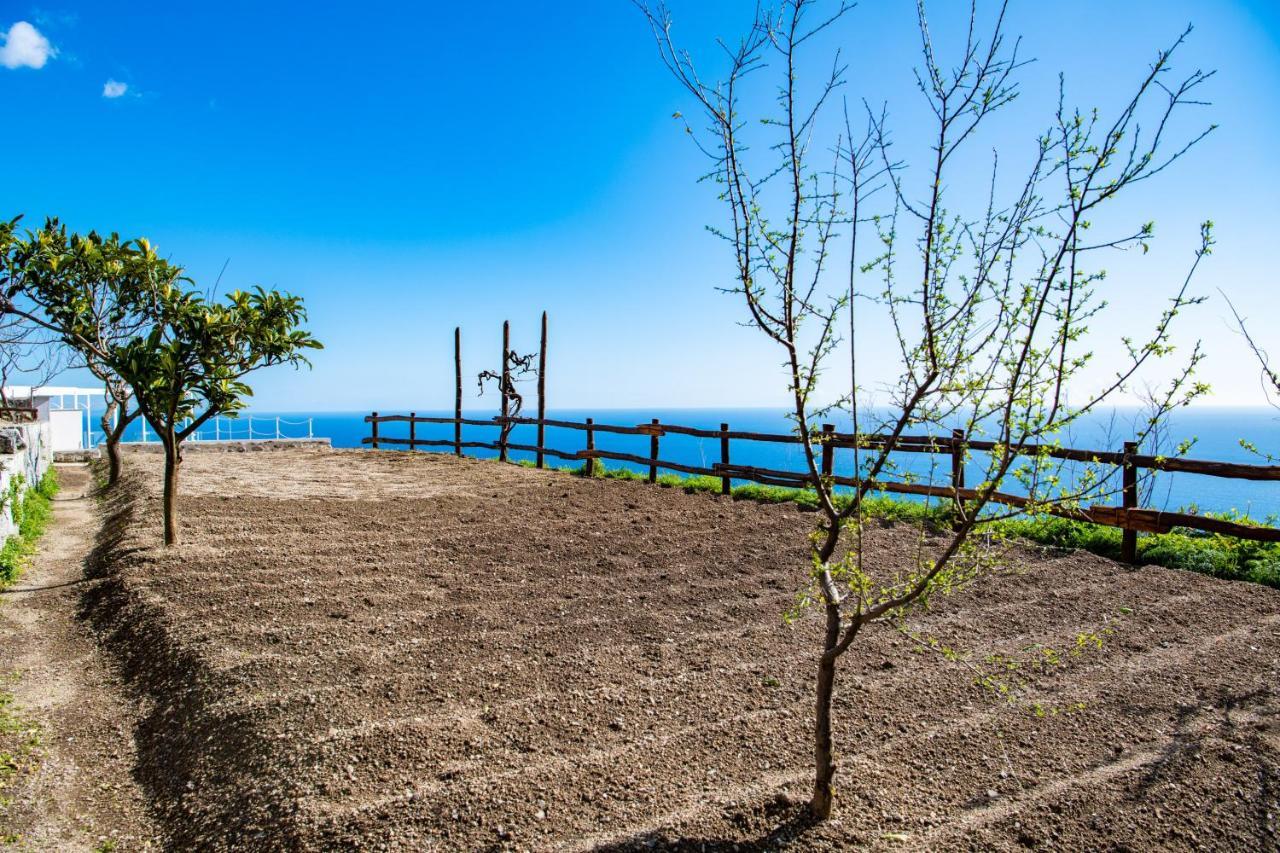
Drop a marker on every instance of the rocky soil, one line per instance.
(357, 650)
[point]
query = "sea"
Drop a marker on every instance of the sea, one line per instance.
(1215, 433)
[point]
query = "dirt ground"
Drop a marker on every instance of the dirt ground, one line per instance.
(68, 727)
(358, 650)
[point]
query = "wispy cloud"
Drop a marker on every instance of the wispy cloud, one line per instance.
(25, 47)
(114, 89)
(54, 18)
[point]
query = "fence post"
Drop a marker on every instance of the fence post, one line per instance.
(653, 454)
(725, 484)
(591, 445)
(457, 398)
(828, 452)
(506, 378)
(277, 427)
(957, 472)
(413, 433)
(542, 390)
(1129, 494)
(374, 422)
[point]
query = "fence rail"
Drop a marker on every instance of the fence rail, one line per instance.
(239, 429)
(1129, 516)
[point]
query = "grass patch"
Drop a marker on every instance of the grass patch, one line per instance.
(31, 509)
(1182, 548)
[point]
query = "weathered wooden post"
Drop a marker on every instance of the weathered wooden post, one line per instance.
(412, 431)
(374, 422)
(542, 390)
(506, 378)
(957, 472)
(725, 484)
(1129, 495)
(457, 399)
(828, 451)
(653, 453)
(591, 445)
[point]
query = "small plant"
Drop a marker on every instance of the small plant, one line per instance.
(31, 509)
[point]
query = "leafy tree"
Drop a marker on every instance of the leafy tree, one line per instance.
(86, 288)
(136, 318)
(192, 363)
(988, 298)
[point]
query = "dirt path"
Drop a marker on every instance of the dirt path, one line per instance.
(78, 792)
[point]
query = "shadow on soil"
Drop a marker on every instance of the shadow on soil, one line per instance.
(763, 827)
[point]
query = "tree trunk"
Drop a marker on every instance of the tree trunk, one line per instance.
(112, 443)
(114, 434)
(823, 754)
(172, 459)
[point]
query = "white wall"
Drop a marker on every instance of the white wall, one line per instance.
(67, 427)
(31, 457)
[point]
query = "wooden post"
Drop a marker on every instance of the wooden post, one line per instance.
(412, 431)
(374, 422)
(725, 485)
(506, 377)
(828, 452)
(542, 390)
(1129, 494)
(653, 454)
(957, 471)
(457, 399)
(591, 445)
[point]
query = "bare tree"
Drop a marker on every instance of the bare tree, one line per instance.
(1268, 376)
(27, 350)
(27, 353)
(990, 299)
(514, 367)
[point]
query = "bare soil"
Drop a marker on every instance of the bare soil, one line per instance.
(69, 723)
(370, 651)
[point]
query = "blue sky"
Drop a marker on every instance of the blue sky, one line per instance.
(409, 167)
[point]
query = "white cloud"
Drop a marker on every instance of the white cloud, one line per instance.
(24, 46)
(114, 89)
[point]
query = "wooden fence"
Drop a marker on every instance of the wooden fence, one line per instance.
(1128, 516)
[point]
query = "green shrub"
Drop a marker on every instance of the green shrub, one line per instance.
(1181, 548)
(31, 509)
(1190, 550)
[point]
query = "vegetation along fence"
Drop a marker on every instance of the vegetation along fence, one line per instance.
(1128, 516)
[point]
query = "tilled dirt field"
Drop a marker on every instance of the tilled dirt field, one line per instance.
(383, 650)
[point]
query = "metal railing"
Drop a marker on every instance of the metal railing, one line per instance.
(247, 428)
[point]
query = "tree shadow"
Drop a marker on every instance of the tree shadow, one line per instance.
(766, 826)
(17, 589)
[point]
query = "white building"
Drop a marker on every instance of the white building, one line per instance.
(66, 409)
